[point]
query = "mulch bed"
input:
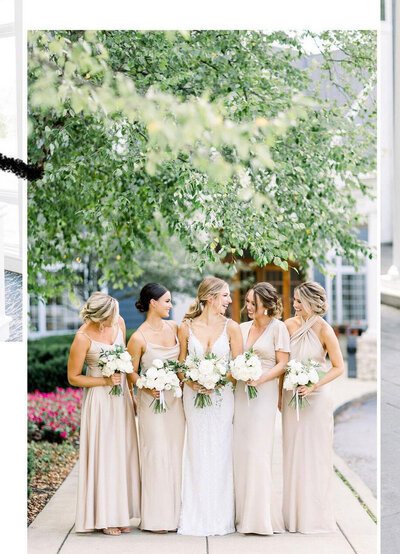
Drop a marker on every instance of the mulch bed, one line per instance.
(52, 464)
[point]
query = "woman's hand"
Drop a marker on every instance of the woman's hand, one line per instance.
(114, 380)
(202, 390)
(251, 383)
(152, 392)
(305, 391)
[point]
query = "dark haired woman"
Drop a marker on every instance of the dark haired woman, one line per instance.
(160, 435)
(254, 420)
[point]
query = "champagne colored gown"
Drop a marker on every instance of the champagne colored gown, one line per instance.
(161, 439)
(109, 480)
(253, 439)
(307, 446)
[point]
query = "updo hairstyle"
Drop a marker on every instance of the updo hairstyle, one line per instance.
(268, 296)
(151, 291)
(211, 286)
(313, 297)
(99, 307)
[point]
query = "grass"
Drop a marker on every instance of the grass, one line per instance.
(355, 493)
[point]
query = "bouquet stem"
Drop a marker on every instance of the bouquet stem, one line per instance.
(116, 390)
(202, 400)
(252, 392)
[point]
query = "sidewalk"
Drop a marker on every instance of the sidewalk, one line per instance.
(52, 531)
(390, 427)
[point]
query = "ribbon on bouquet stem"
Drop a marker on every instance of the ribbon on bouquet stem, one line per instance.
(162, 399)
(297, 405)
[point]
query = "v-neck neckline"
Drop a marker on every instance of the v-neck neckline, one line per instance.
(258, 338)
(214, 343)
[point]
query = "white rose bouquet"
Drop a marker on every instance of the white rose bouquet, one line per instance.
(247, 367)
(210, 372)
(116, 360)
(161, 376)
(300, 374)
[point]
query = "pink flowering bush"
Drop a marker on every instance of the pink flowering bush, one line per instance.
(54, 416)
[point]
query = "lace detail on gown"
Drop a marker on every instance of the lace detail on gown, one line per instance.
(208, 497)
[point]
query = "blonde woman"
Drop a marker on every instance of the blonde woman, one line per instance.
(160, 435)
(254, 421)
(109, 481)
(307, 443)
(208, 497)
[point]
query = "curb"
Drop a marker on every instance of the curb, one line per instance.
(364, 492)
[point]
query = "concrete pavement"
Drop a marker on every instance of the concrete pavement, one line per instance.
(390, 430)
(52, 531)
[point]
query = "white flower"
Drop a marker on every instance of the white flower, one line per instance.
(157, 363)
(159, 383)
(126, 356)
(140, 383)
(206, 366)
(302, 378)
(113, 365)
(313, 375)
(151, 372)
(106, 371)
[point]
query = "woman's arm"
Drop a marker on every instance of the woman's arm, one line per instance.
(281, 377)
(121, 323)
(183, 336)
(77, 355)
(277, 370)
(331, 345)
(136, 348)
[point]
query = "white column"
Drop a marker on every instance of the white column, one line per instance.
(4, 320)
(396, 180)
(385, 128)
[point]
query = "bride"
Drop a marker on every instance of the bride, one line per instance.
(208, 497)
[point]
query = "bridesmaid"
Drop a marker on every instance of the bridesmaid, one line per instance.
(160, 435)
(254, 420)
(108, 482)
(307, 443)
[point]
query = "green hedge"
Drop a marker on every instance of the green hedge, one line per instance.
(47, 362)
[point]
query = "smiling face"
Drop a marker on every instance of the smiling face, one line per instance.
(254, 306)
(299, 307)
(163, 305)
(221, 300)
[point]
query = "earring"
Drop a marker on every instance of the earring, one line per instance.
(265, 312)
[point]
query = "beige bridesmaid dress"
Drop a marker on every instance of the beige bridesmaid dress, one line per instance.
(109, 480)
(161, 446)
(307, 446)
(253, 439)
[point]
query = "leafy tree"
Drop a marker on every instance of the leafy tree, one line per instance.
(230, 141)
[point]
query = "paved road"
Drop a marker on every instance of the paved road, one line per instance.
(355, 440)
(390, 431)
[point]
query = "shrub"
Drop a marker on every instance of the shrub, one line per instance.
(47, 362)
(54, 416)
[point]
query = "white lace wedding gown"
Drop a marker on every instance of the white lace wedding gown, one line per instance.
(208, 497)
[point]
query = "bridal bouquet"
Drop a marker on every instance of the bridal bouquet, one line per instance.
(210, 372)
(298, 374)
(116, 360)
(161, 376)
(247, 367)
